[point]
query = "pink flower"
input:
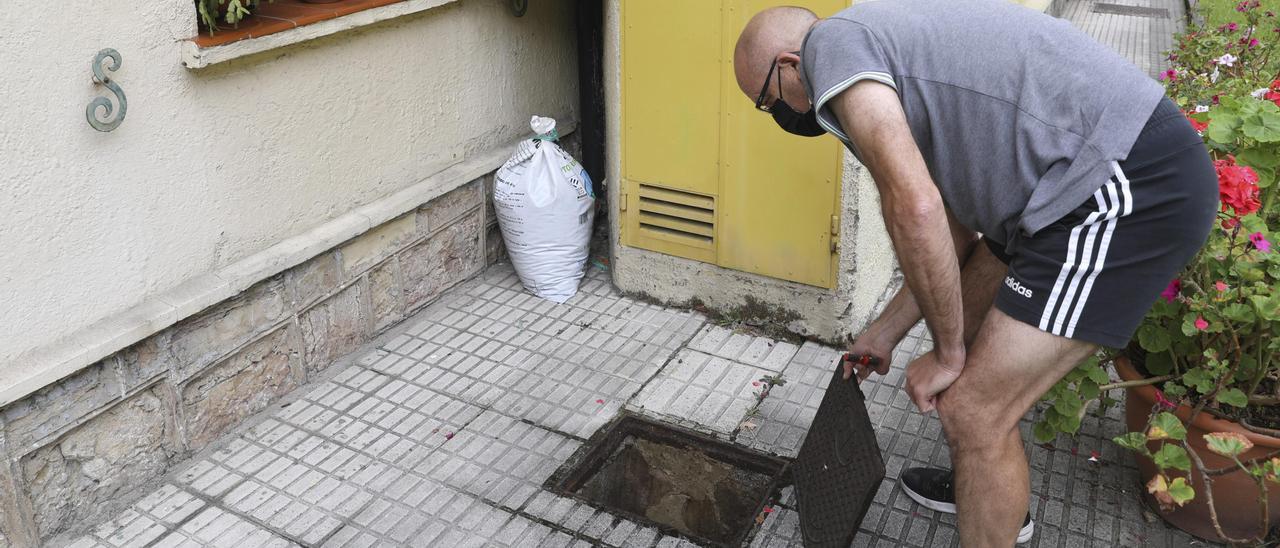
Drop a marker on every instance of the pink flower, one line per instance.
(755, 383)
(1220, 285)
(1170, 75)
(1164, 402)
(1260, 242)
(1201, 324)
(1253, 42)
(1232, 26)
(1171, 292)
(768, 509)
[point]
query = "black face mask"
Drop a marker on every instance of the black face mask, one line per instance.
(795, 123)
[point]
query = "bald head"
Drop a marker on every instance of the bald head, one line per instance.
(770, 32)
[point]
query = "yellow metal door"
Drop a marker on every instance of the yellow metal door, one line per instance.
(706, 176)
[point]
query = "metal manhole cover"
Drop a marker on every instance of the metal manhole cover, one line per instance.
(1138, 11)
(839, 468)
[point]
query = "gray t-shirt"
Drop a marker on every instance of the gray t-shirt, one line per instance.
(1017, 114)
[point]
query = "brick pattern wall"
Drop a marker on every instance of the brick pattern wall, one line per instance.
(81, 449)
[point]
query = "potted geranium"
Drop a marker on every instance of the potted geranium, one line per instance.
(1203, 372)
(211, 12)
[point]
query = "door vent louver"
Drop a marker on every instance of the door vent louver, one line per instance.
(677, 216)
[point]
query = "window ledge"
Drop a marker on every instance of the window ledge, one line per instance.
(286, 22)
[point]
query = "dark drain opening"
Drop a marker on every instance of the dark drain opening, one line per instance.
(676, 479)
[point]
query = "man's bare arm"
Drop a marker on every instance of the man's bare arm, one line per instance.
(913, 210)
(902, 312)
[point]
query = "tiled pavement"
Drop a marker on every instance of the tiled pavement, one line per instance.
(1143, 36)
(444, 432)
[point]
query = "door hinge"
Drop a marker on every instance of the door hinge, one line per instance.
(835, 233)
(622, 202)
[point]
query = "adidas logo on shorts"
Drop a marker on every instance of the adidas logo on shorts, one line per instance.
(1017, 287)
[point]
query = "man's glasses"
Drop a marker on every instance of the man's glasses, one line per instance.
(760, 106)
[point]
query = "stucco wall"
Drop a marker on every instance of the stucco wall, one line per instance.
(213, 166)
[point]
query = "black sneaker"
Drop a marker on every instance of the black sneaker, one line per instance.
(933, 489)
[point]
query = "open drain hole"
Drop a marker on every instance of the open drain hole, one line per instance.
(675, 479)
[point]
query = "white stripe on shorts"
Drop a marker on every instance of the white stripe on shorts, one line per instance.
(1112, 203)
(1127, 200)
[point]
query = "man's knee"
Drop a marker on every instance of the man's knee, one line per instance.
(972, 424)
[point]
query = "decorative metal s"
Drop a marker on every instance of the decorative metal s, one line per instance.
(106, 123)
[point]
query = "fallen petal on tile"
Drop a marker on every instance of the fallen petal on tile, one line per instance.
(599, 401)
(448, 436)
(749, 425)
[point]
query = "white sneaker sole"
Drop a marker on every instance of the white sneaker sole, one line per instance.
(926, 502)
(1027, 531)
(1024, 534)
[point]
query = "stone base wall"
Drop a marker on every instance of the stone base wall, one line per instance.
(78, 451)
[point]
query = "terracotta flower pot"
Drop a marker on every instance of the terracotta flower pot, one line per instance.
(1235, 495)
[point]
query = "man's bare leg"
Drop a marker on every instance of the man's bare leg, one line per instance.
(980, 276)
(1009, 366)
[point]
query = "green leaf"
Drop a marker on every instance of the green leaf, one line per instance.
(1263, 128)
(1053, 418)
(1253, 223)
(1153, 338)
(1266, 176)
(1267, 306)
(1098, 375)
(1089, 389)
(1044, 432)
(1172, 456)
(1133, 441)
(1259, 157)
(1227, 444)
(1075, 375)
(1070, 424)
(1198, 379)
(1233, 397)
(1238, 312)
(1068, 405)
(1189, 325)
(1166, 425)
(1180, 491)
(1160, 363)
(1222, 128)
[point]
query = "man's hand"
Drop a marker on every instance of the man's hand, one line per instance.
(928, 376)
(867, 345)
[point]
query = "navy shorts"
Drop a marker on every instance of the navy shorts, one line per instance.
(1094, 273)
